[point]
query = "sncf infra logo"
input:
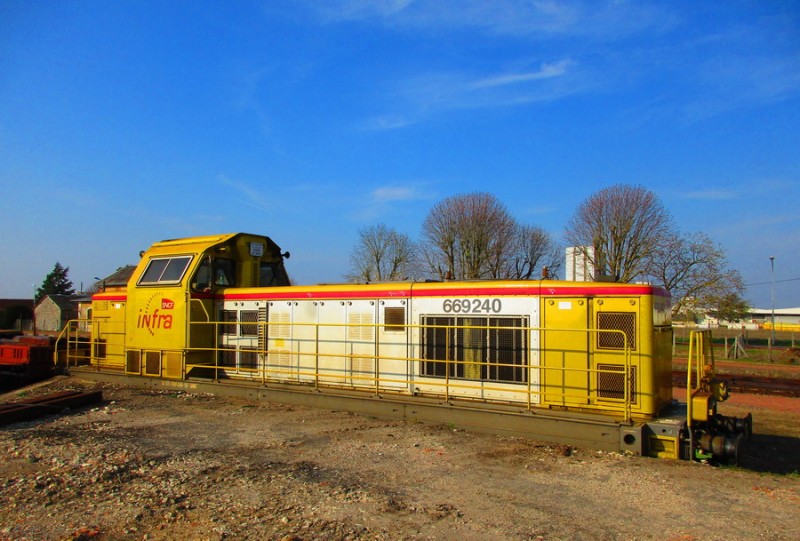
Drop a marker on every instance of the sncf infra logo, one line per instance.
(154, 319)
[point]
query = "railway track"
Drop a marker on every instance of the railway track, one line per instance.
(750, 384)
(33, 408)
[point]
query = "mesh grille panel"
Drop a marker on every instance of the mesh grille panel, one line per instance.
(229, 317)
(508, 353)
(619, 321)
(611, 384)
(227, 356)
(152, 363)
(248, 358)
(249, 325)
(132, 362)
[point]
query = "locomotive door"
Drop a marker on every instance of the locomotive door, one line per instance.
(392, 360)
(565, 344)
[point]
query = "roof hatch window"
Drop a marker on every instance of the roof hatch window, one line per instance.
(165, 270)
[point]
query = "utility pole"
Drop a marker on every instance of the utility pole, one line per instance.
(772, 280)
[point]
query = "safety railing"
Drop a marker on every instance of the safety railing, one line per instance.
(325, 355)
(700, 370)
(73, 345)
(307, 353)
(93, 342)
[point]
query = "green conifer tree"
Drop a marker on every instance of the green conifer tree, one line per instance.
(56, 283)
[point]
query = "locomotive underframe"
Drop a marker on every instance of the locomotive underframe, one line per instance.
(563, 427)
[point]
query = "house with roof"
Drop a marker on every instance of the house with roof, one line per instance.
(53, 312)
(116, 281)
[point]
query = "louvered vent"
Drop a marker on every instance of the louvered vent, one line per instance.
(263, 329)
(361, 327)
(279, 325)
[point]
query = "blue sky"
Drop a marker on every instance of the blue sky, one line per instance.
(124, 123)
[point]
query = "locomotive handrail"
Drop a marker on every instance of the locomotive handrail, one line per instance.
(74, 341)
(64, 334)
(316, 375)
(450, 385)
(700, 351)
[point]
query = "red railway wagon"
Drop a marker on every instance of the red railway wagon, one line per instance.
(26, 358)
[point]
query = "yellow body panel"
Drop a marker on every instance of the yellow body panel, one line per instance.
(150, 327)
(565, 344)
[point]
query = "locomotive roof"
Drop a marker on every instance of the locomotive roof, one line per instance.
(198, 244)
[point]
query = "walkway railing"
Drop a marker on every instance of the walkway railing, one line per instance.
(468, 362)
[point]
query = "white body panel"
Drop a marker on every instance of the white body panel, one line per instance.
(384, 344)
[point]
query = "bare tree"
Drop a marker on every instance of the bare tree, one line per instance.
(728, 307)
(695, 272)
(468, 236)
(624, 224)
(534, 250)
(382, 254)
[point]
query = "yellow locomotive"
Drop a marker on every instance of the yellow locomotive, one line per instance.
(576, 362)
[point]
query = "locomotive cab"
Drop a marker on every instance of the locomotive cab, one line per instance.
(165, 324)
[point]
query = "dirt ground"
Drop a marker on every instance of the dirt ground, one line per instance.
(170, 465)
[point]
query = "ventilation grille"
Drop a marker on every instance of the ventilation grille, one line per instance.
(279, 325)
(394, 319)
(229, 317)
(248, 358)
(360, 327)
(611, 382)
(362, 370)
(133, 362)
(152, 363)
(249, 323)
(477, 348)
(617, 321)
(263, 328)
(227, 356)
(173, 364)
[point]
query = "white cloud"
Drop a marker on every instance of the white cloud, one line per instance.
(333, 11)
(387, 122)
(545, 71)
(607, 19)
(443, 91)
(386, 194)
(712, 194)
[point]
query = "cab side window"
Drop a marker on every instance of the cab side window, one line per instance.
(224, 272)
(271, 274)
(202, 278)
